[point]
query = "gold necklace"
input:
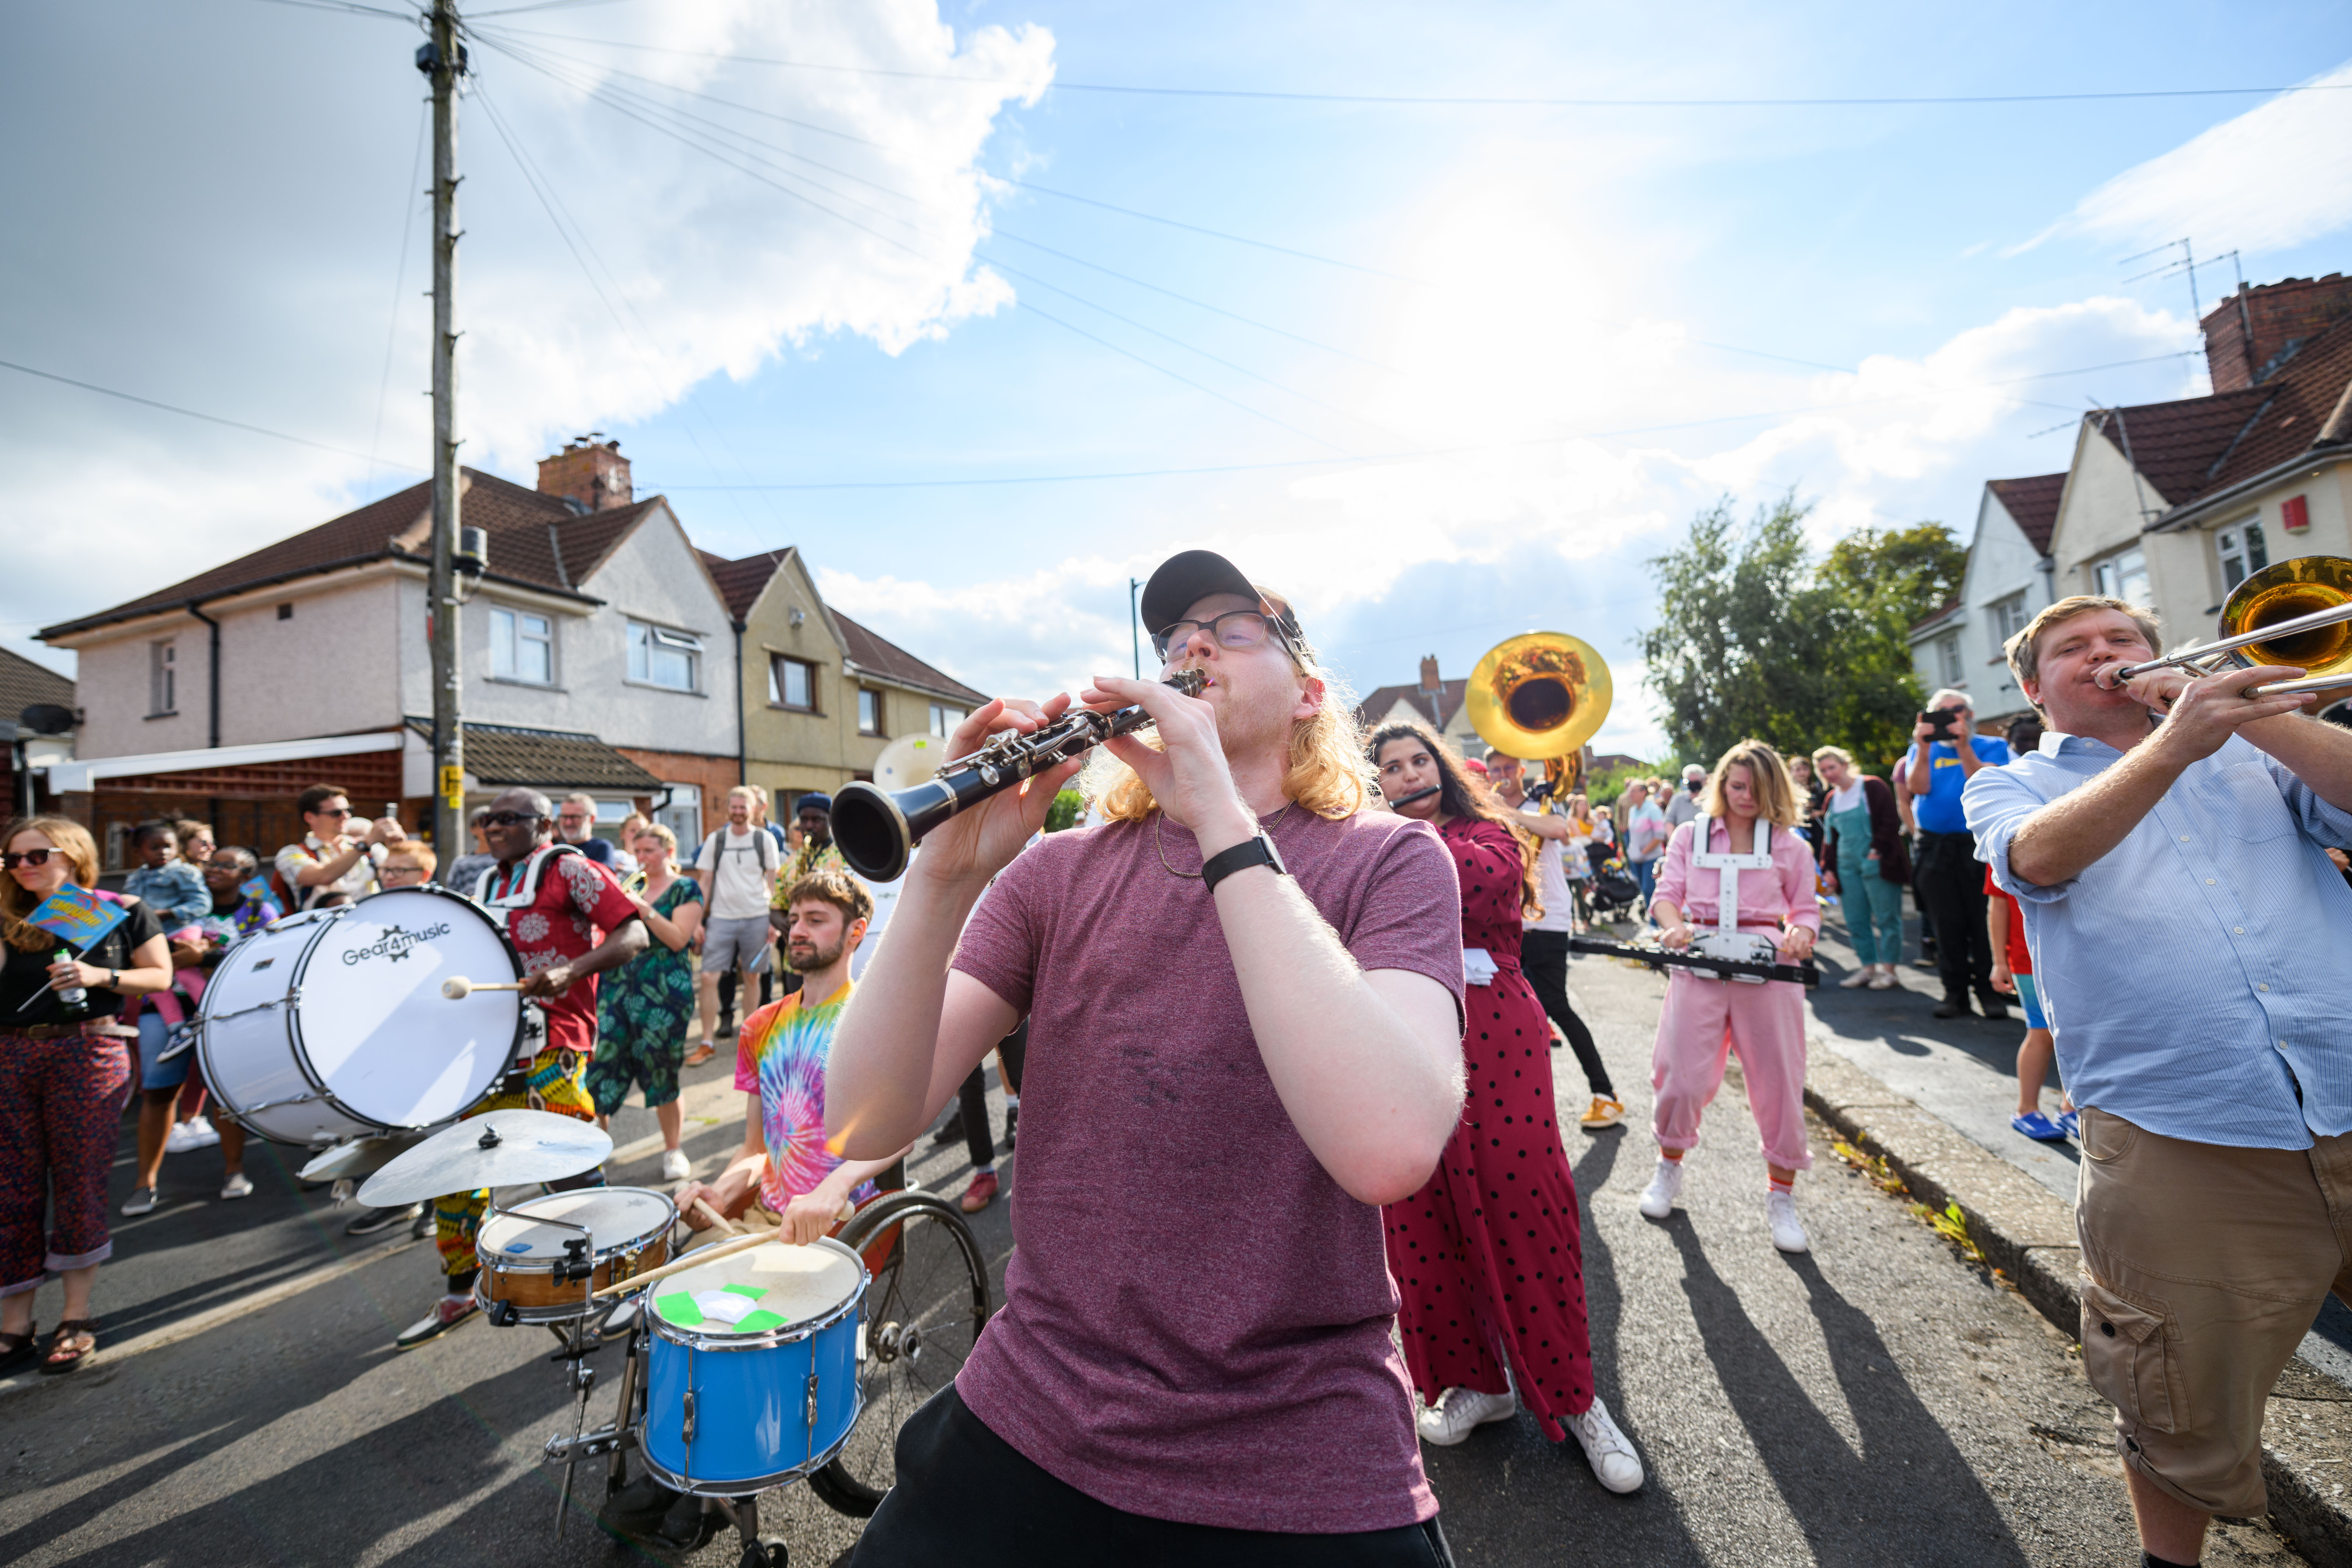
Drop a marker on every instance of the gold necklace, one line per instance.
(1266, 828)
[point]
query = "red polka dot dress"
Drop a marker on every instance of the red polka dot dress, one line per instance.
(1487, 1257)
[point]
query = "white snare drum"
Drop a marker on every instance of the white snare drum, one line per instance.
(331, 1024)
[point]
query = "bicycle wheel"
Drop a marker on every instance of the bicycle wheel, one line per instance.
(923, 1314)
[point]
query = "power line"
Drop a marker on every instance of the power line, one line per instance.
(347, 8)
(193, 414)
(723, 156)
(1462, 102)
(399, 277)
(1002, 178)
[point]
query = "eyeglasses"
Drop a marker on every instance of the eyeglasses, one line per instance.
(513, 819)
(16, 857)
(1233, 629)
(338, 811)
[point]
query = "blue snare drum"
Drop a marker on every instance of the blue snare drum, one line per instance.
(753, 1377)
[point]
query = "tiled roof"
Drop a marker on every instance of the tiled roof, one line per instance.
(1375, 707)
(740, 582)
(23, 683)
(2198, 446)
(869, 650)
(2032, 504)
(1948, 608)
(508, 755)
(534, 540)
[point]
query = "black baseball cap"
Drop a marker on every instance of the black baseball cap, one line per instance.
(1186, 578)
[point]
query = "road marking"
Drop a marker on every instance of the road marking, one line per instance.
(202, 1322)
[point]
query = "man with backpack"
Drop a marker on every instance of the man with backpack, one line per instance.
(736, 868)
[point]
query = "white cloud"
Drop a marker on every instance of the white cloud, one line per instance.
(2274, 177)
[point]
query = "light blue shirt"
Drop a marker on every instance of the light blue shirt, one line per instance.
(2200, 971)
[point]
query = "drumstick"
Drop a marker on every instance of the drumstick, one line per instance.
(693, 1259)
(458, 987)
(715, 1217)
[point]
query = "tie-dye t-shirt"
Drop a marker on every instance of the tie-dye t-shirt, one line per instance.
(781, 1058)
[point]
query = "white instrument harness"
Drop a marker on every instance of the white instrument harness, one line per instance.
(1726, 939)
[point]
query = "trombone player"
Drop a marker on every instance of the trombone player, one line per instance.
(2167, 843)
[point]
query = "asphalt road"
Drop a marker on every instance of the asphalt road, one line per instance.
(1878, 1402)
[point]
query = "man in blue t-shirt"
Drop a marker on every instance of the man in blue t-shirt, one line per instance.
(1945, 877)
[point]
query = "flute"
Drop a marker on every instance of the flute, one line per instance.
(876, 829)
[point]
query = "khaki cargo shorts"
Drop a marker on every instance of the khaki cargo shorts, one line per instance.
(2205, 1266)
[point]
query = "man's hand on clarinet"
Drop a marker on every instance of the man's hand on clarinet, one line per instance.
(980, 842)
(1190, 779)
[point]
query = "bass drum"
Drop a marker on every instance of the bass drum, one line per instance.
(331, 1024)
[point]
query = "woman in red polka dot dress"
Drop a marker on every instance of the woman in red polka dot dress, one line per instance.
(1487, 1257)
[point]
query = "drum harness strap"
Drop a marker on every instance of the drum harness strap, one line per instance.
(521, 893)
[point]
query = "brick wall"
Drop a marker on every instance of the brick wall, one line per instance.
(713, 776)
(2279, 315)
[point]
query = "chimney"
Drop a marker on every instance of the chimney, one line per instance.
(2251, 334)
(1429, 681)
(589, 473)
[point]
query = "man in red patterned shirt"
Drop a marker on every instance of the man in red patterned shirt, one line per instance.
(554, 902)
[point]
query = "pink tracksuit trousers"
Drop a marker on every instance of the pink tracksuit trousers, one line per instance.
(1703, 1020)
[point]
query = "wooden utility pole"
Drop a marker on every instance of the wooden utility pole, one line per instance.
(444, 60)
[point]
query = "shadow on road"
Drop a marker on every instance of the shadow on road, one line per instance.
(1908, 1483)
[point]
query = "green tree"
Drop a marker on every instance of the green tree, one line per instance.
(1756, 636)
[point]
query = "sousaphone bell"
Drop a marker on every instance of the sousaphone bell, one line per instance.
(1540, 696)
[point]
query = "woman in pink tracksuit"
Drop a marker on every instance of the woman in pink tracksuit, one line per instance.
(1749, 813)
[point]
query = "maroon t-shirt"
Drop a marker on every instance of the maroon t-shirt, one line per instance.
(1196, 1316)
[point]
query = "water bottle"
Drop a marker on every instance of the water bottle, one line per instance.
(73, 1000)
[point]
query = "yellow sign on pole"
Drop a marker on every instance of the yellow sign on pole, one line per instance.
(453, 788)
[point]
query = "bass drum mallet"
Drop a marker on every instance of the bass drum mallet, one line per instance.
(458, 987)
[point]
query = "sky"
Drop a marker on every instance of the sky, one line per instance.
(989, 307)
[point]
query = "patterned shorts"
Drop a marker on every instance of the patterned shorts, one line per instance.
(651, 1058)
(555, 1082)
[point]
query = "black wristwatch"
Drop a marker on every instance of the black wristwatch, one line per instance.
(1257, 851)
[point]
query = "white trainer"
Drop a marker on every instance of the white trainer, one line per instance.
(675, 1165)
(1780, 1213)
(1859, 978)
(1665, 1186)
(1458, 1411)
(1606, 1449)
(196, 1132)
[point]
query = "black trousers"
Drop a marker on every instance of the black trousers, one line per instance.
(972, 1099)
(1543, 958)
(1949, 883)
(966, 1496)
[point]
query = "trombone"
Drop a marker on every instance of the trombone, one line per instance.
(2294, 613)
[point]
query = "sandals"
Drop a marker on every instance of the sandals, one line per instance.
(77, 1340)
(17, 1348)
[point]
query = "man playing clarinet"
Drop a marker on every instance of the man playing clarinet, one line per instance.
(1243, 992)
(2193, 944)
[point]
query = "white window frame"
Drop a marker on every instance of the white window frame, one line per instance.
(944, 718)
(2008, 617)
(777, 694)
(2112, 576)
(515, 632)
(656, 649)
(870, 710)
(163, 679)
(1947, 659)
(2241, 550)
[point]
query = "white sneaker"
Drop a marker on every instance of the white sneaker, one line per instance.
(195, 1132)
(237, 1186)
(1458, 1410)
(1780, 1213)
(1606, 1449)
(141, 1201)
(1859, 978)
(675, 1165)
(1665, 1186)
(1886, 979)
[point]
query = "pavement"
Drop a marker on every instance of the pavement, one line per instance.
(1882, 1400)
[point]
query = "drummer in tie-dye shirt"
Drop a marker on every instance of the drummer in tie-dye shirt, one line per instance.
(785, 1178)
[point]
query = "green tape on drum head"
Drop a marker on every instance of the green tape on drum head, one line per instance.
(679, 1308)
(759, 1324)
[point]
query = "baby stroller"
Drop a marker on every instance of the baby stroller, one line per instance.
(1616, 895)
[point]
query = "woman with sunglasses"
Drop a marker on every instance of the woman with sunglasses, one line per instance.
(63, 1076)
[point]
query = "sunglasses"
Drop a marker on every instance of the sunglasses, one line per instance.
(16, 857)
(512, 819)
(338, 811)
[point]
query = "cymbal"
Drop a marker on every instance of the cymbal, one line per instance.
(496, 1149)
(356, 1157)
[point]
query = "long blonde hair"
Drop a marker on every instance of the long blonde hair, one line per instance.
(1776, 797)
(16, 902)
(1326, 773)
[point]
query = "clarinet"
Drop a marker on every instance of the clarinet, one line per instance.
(876, 830)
